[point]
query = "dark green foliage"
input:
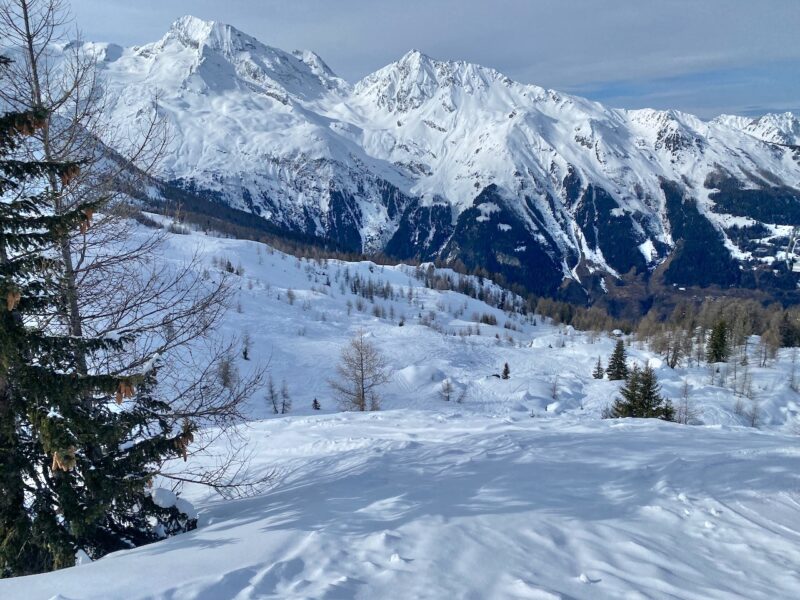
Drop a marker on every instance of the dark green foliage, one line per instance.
(700, 256)
(421, 232)
(768, 204)
(78, 446)
(617, 365)
(749, 238)
(607, 230)
(789, 331)
(316, 405)
(641, 398)
(506, 372)
(626, 404)
(341, 221)
(598, 372)
(514, 253)
(718, 348)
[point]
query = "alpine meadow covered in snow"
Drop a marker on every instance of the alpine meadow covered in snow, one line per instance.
(438, 334)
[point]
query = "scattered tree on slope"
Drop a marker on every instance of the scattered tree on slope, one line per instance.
(718, 349)
(617, 364)
(641, 397)
(598, 372)
(362, 370)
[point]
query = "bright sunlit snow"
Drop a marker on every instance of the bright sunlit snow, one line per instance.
(518, 491)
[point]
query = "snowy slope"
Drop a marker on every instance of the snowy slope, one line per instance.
(440, 339)
(436, 504)
(279, 135)
(511, 493)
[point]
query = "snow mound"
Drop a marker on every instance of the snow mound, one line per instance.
(167, 499)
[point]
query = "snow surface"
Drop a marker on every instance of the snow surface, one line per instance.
(511, 494)
(438, 504)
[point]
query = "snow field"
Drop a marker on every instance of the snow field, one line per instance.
(437, 504)
(511, 493)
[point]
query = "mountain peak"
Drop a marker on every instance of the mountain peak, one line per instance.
(777, 128)
(202, 55)
(414, 56)
(415, 78)
(190, 22)
(193, 31)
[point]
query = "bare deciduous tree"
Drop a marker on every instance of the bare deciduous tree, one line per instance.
(272, 396)
(446, 391)
(462, 396)
(362, 370)
(686, 413)
(554, 381)
(286, 399)
(754, 413)
(114, 283)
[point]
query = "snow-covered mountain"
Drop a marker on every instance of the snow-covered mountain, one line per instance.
(437, 159)
(777, 128)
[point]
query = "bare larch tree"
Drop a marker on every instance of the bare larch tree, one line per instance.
(361, 371)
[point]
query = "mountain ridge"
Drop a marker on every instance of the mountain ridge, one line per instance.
(395, 160)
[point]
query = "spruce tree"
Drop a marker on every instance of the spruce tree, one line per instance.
(650, 403)
(598, 372)
(79, 445)
(788, 332)
(617, 364)
(506, 372)
(718, 349)
(626, 404)
(641, 397)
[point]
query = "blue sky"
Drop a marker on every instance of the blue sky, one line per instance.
(701, 56)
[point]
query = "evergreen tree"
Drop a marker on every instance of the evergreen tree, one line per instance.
(626, 404)
(103, 335)
(79, 446)
(617, 364)
(315, 405)
(598, 372)
(506, 372)
(718, 349)
(247, 342)
(641, 397)
(788, 332)
(650, 403)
